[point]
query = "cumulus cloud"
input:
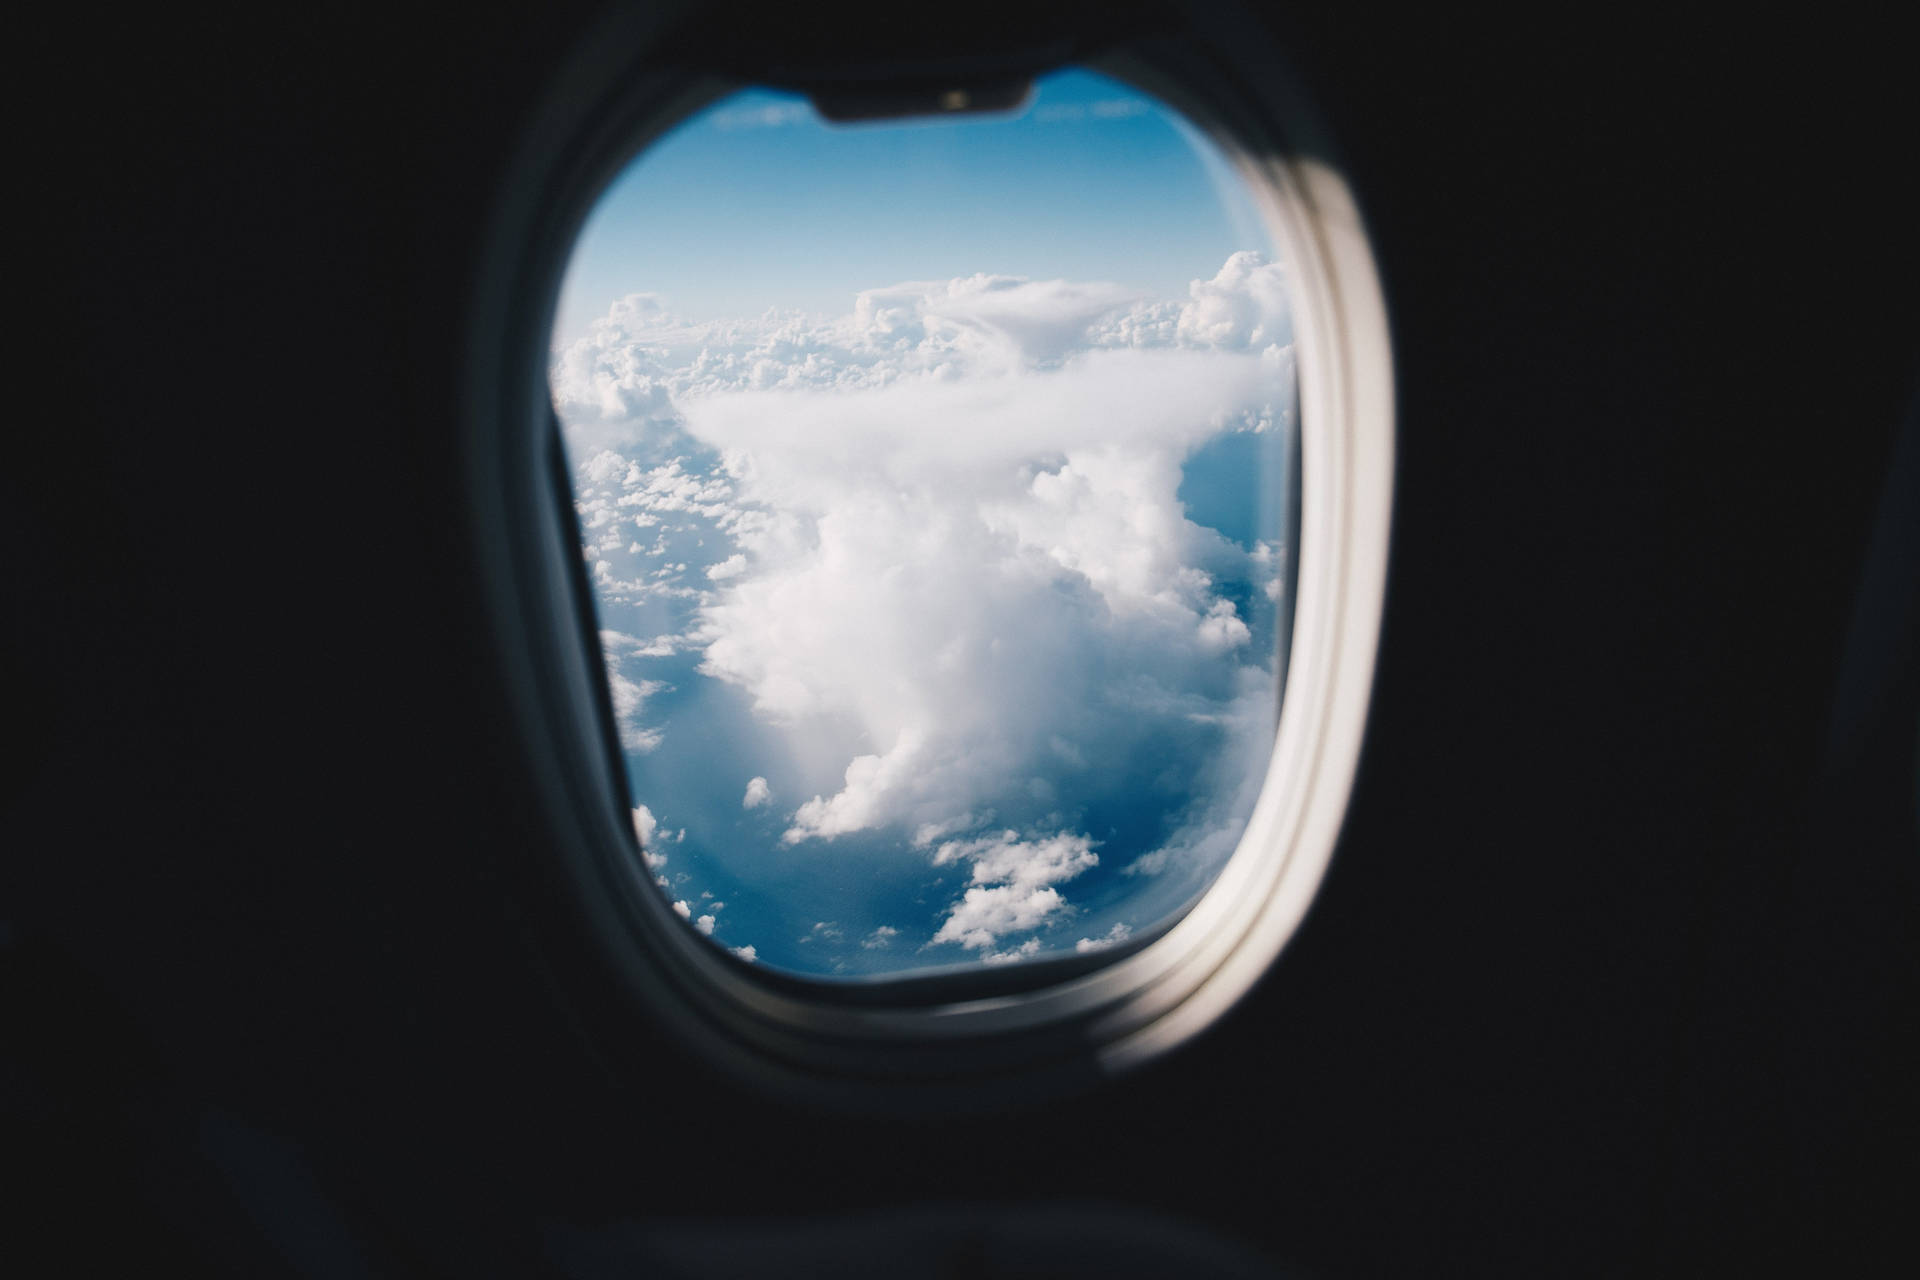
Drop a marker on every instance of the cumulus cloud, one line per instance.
(1025, 951)
(1011, 884)
(940, 544)
(1244, 306)
(823, 931)
(1226, 782)
(872, 783)
(640, 365)
(648, 828)
(1222, 628)
(644, 826)
(629, 699)
(881, 937)
(746, 953)
(1118, 934)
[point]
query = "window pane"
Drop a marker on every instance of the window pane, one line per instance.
(933, 482)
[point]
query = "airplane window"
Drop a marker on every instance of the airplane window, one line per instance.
(934, 480)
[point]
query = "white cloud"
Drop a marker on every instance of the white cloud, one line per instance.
(1025, 951)
(872, 785)
(705, 924)
(881, 937)
(641, 365)
(644, 826)
(1244, 306)
(1118, 934)
(1011, 888)
(746, 953)
(1225, 787)
(927, 832)
(940, 545)
(1222, 628)
(629, 700)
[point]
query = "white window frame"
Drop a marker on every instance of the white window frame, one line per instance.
(1013, 1029)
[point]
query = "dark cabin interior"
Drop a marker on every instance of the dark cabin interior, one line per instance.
(1616, 971)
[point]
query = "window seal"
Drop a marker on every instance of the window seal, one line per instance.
(968, 1036)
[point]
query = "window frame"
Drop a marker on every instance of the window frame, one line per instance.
(973, 1036)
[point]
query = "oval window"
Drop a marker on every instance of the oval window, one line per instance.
(934, 481)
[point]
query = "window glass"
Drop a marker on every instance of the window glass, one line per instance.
(932, 480)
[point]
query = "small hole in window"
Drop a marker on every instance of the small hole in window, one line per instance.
(934, 482)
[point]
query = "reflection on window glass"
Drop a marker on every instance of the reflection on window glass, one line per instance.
(932, 481)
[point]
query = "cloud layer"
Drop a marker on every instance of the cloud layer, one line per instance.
(946, 550)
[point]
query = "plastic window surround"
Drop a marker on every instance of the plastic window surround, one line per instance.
(968, 1038)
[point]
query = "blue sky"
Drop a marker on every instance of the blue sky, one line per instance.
(757, 202)
(930, 481)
